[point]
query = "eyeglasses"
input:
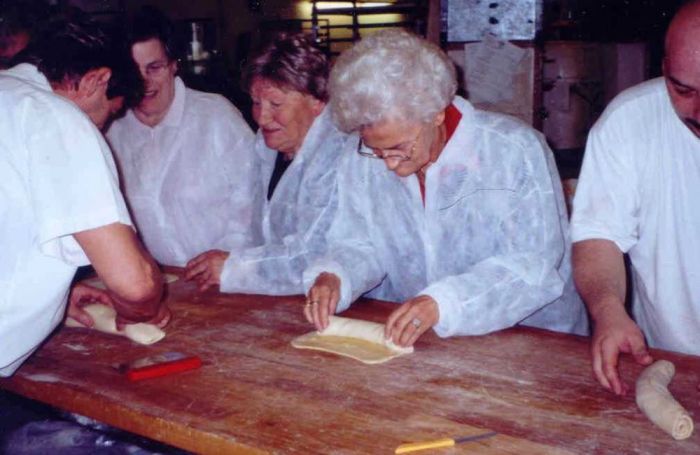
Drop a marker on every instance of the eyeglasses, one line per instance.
(156, 69)
(385, 154)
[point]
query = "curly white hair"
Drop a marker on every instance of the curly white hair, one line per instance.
(392, 74)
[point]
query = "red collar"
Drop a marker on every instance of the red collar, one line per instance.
(452, 118)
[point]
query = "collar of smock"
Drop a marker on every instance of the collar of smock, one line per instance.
(29, 73)
(175, 113)
(177, 108)
(453, 150)
(317, 132)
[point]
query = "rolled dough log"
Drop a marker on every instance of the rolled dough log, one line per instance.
(106, 321)
(360, 340)
(654, 399)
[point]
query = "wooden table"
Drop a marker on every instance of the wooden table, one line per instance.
(257, 394)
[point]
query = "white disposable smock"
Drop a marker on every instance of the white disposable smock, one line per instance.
(297, 217)
(57, 177)
(490, 246)
(189, 180)
(639, 188)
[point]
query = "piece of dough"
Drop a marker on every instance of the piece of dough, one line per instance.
(654, 399)
(360, 340)
(105, 321)
(97, 283)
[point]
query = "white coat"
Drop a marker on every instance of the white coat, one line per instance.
(57, 177)
(296, 219)
(490, 245)
(638, 188)
(189, 181)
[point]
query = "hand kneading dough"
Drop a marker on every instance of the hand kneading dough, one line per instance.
(654, 399)
(105, 321)
(360, 340)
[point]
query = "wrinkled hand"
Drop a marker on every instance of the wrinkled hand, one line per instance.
(411, 320)
(322, 300)
(206, 268)
(616, 333)
(83, 294)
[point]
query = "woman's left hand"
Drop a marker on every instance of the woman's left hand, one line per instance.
(410, 320)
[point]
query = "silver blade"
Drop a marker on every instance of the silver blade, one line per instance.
(475, 437)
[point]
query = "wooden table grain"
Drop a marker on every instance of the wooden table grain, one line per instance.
(257, 394)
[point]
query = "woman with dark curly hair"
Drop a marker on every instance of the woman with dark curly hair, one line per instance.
(298, 149)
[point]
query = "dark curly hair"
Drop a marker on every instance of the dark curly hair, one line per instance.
(291, 61)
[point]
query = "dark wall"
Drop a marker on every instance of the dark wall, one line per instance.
(611, 21)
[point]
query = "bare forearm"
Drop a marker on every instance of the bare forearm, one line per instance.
(143, 305)
(128, 271)
(599, 273)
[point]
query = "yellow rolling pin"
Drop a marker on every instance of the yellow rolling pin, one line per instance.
(440, 443)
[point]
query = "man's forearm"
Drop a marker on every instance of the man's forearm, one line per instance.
(144, 306)
(599, 273)
(130, 274)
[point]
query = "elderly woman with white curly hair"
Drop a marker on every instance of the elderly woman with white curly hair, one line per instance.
(453, 212)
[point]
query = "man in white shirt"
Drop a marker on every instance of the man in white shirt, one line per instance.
(185, 157)
(60, 204)
(637, 194)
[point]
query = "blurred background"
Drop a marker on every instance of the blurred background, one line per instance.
(553, 63)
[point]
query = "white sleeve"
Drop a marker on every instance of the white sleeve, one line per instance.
(73, 182)
(503, 290)
(522, 276)
(300, 216)
(351, 253)
(235, 141)
(606, 204)
(276, 268)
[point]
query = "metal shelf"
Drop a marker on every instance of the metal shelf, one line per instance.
(413, 15)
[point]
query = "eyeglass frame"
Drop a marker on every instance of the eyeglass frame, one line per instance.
(156, 69)
(374, 155)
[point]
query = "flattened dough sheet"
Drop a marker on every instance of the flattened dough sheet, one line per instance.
(105, 319)
(354, 338)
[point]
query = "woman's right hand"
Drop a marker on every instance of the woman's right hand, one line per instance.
(206, 268)
(322, 300)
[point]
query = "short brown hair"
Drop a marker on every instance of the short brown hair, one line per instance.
(291, 61)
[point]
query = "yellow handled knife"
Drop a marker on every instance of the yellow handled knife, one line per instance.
(439, 443)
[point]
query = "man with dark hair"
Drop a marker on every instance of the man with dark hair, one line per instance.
(65, 51)
(60, 203)
(186, 157)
